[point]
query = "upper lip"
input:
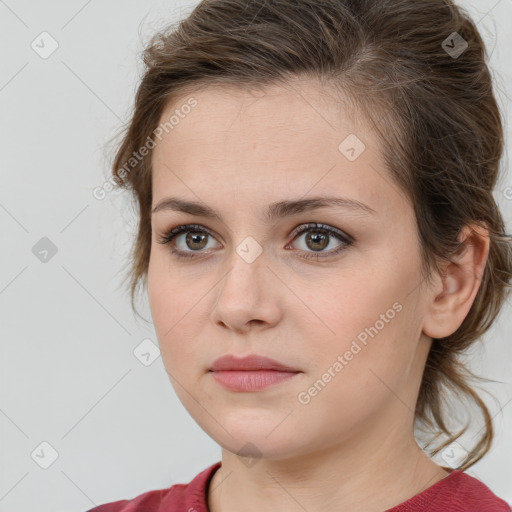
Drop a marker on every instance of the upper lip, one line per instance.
(250, 362)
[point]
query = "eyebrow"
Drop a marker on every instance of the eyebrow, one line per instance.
(277, 210)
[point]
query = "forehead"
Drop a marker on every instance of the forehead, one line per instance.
(301, 138)
(251, 114)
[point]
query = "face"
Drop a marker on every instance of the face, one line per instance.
(332, 290)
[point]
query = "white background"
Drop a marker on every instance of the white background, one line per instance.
(68, 373)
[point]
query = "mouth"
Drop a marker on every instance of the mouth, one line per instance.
(250, 380)
(250, 373)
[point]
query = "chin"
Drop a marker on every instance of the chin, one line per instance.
(257, 441)
(250, 449)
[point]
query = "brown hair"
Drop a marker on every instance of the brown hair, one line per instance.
(434, 110)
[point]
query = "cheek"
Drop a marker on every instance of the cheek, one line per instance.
(169, 290)
(177, 312)
(358, 300)
(164, 300)
(371, 318)
(357, 372)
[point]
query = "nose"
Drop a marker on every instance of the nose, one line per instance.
(248, 296)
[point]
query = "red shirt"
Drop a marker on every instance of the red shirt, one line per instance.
(457, 492)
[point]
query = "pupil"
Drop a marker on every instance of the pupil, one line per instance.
(317, 239)
(196, 238)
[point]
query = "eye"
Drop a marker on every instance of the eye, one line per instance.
(196, 239)
(319, 237)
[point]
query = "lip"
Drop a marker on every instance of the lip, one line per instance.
(250, 373)
(252, 362)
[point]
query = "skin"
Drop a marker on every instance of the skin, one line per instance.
(352, 447)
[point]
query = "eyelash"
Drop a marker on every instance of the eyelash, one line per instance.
(346, 240)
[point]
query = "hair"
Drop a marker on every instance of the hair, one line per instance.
(435, 113)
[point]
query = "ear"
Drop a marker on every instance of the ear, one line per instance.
(451, 298)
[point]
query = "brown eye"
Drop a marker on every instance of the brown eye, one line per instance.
(318, 241)
(318, 238)
(195, 239)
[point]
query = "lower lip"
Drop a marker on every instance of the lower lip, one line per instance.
(251, 380)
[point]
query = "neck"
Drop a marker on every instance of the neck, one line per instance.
(373, 477)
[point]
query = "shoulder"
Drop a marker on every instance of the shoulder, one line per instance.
(470, 494)
(179, 497)
(457, 492)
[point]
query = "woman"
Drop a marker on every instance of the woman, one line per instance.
(320, 244)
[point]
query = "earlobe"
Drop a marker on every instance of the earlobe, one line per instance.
(458, 285)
